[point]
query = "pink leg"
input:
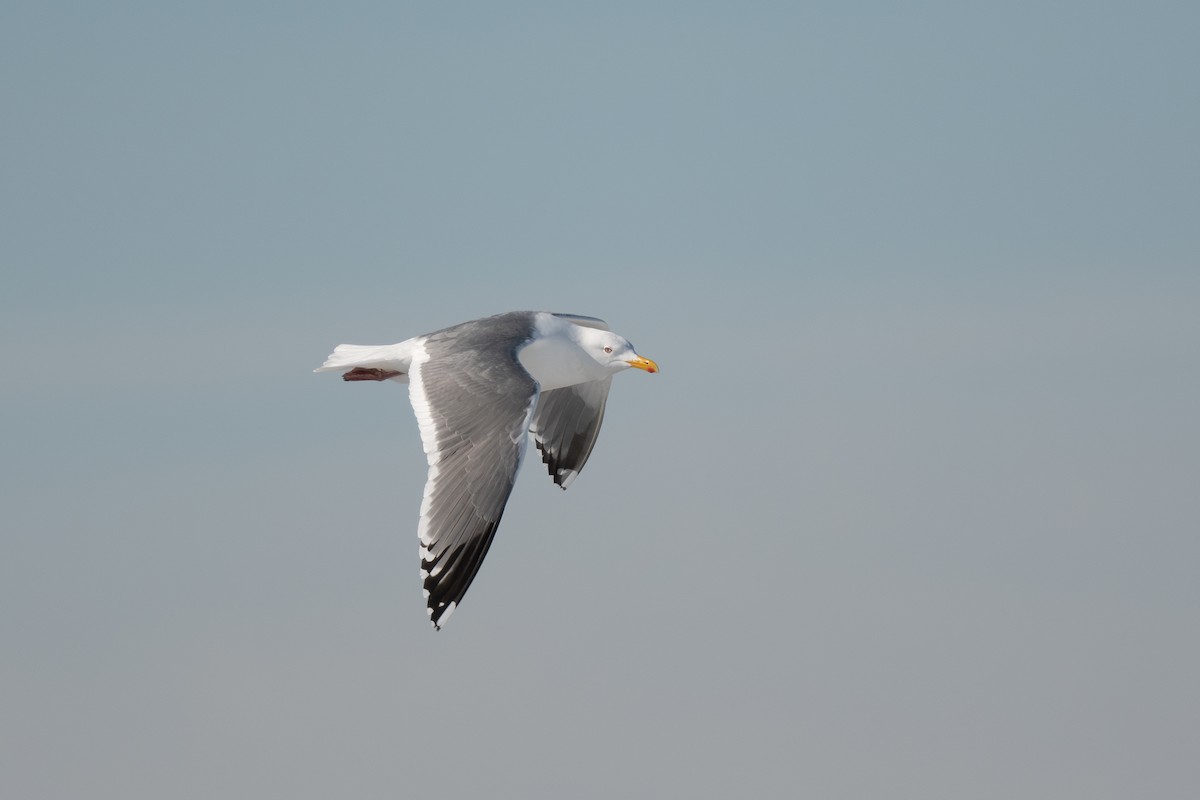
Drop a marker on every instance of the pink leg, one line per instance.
(365, 374)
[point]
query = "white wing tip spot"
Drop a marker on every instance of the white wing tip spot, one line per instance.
(448, 610)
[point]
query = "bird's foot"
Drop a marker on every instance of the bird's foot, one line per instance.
(370, 374)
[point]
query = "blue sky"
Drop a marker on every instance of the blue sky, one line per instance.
(911, 509)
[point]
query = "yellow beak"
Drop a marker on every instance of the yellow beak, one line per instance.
(643, 363)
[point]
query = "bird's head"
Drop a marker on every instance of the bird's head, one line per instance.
(613, 352)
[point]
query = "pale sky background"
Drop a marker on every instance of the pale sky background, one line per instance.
(912, 512)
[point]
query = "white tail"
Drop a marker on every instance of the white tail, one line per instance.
(383, 356)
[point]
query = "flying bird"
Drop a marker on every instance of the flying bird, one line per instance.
(477, 389)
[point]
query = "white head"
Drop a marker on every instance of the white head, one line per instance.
(612, 351)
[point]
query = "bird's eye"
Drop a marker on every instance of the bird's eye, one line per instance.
(607, 349)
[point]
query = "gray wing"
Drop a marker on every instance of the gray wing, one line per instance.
(586, 322)
(565, 427)
(473, 407)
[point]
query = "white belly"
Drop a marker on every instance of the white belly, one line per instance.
(555, 362)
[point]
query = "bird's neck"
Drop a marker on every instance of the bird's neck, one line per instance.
(556, 359)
